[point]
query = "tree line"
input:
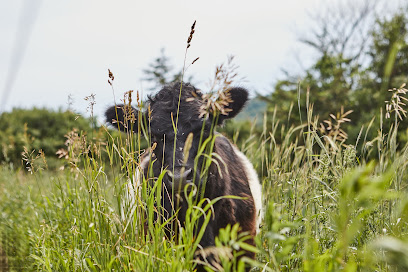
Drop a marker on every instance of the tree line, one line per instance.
(361, 54)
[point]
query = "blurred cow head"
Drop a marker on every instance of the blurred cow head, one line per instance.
(178, 106)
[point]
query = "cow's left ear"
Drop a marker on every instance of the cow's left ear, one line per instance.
(239, 97)
(123, 117)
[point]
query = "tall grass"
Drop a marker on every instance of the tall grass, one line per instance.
(327, 208)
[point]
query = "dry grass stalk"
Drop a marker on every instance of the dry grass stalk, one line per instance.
(195, 60)
(396, 103)
(128, 113)
(331, 128)
(128, 110)
(31, 160)
(111, 77)
(70, 102)
(91, 100)
(76, 146)
(218, 98)
(191, 35)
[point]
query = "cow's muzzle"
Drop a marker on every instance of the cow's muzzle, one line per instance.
(181, 175)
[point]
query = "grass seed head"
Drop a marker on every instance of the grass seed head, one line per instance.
(332, 127)
(395, 104)
(219, 97)
(190, 37)
(111, 77)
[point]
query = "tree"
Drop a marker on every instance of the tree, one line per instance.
(340, 38)
(160, 72)
(387, 69)
(358, 59)
(389, 50)
(342, 29)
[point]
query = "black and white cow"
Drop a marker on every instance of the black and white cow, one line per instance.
(235, 175)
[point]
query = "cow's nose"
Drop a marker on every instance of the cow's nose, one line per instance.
(181, 174)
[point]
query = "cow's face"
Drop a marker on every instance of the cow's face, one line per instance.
(174, 115)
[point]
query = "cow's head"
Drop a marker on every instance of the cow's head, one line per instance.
(169, 147)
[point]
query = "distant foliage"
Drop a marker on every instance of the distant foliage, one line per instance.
(161, 72)
(36, 129)
(354, 76)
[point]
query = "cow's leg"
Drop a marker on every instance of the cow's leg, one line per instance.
(205, 253)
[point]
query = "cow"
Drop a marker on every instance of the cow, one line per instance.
(231, 175)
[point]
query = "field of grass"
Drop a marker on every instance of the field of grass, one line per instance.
(327, 207)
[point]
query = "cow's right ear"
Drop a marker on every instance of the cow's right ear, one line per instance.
(239, 97)
(122, 117)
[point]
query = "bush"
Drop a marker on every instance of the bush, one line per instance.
(37, 129)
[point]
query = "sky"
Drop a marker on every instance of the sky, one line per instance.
(51, 50)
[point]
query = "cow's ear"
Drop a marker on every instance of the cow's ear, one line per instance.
(239, 97)
(123, 117)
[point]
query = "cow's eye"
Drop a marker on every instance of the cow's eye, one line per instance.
(157, 138)
(197, 129)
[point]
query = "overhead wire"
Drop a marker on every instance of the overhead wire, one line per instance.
(28, 17)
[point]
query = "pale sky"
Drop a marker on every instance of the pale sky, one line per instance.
(73, 43)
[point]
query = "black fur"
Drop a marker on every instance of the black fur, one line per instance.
(239, 97)
(122, 117)
(232, 179)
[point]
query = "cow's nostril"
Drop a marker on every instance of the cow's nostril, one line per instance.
(190, 175)
(170, 174)
(187, 173)
(181, 174)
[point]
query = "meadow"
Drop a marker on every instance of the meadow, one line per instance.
(328, 206)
